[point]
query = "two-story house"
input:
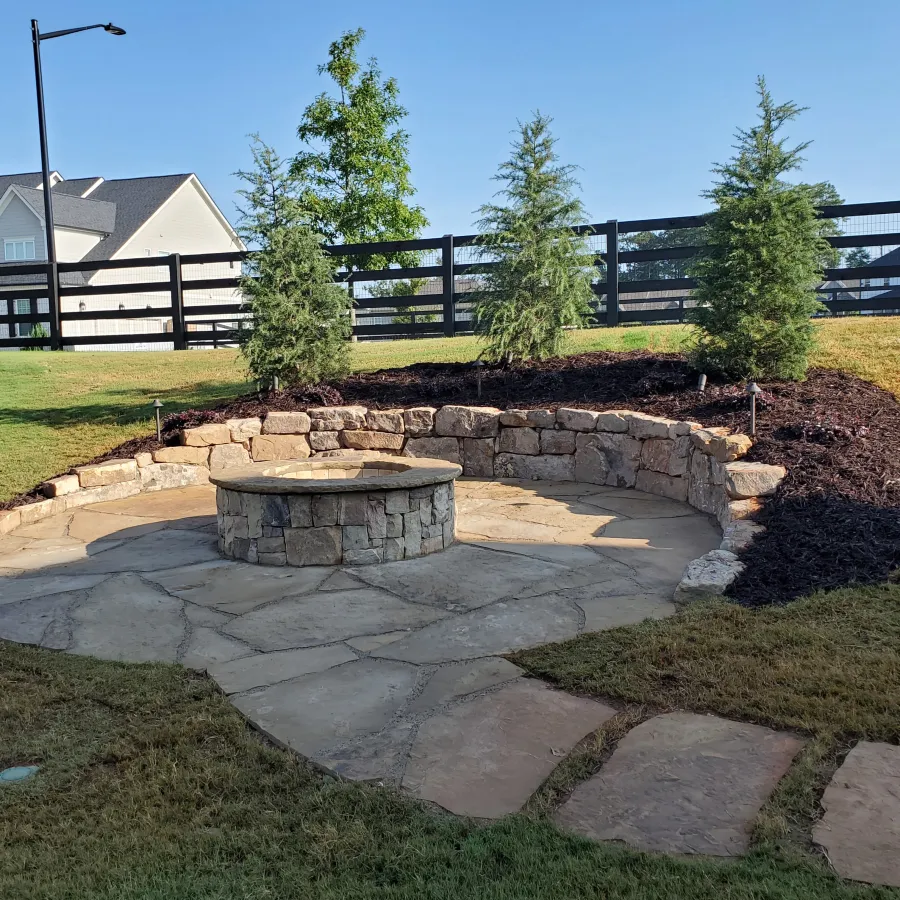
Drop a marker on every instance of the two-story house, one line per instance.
(96, 220)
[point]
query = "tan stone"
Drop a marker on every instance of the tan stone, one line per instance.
(337, 418)
(188, 456)
(110, 472)
(433, 448)
(385, 420)
(613, 420)
(514, 418)
(478, 457)
(538, 468)
(739, 535)
(292, 422)
(161, 476)
(641, 425)
(228, 456)
(419, 421)
(120, 491)
(265, 447)
(467, 421)
(9, 520)
(670, 486)
(519, 440)
(243, 429)
(746, 479)
(737, 510)
(702, 438)
(206, 435)
(557, 441)
(371, 440)
(577, 419)
(34, 512)
(730, 447)
(325, 440)
(143, 459)
(59, 487)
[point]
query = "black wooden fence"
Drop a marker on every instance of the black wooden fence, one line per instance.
(193, 300)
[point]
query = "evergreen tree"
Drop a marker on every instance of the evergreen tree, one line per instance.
(541, 283)
(300, 322)
(766, 249)
(857, 258)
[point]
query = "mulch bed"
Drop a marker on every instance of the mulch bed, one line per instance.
(835, 519)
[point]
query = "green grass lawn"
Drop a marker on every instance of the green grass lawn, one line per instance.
(151, 787)
(58, 410)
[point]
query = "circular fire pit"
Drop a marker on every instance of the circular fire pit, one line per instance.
(334, 511)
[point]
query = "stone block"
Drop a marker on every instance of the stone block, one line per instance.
(354, 537)
(420, 492)
(275, 511)
(43, 509)
(449, 530)
(272, 559)
(228, 456)
(419, 421)
(412, 535)
(324, 440)
(702, 438)
(393, 549)
(112, 471)
(728, 448)
(293, 422)
(230, 503)
(396, 502)
(376, 518)
(577, 419)
(519, 440)
(161, 476)
(252, 507)
(737, 510)
(372, 440)
(188, 456)
(681, 456)
(243, 429)
(467, 421)
(364, 557)
(643, 426)
(10, 520)
(591, 463)
(300, 507)
(739, 535)
(623, 454)
(705, 496)
(59, 487)
(353, 509)
(206, 435)
(514, 418)
(446, 448)
(425, 512)
(700, 467)
(268, 447)
(271, 531)
(538, 468)
(143, 459)
(441, 502)
(432, 544)
(123, 489)
(393, 527)
(385, 420)
(337, 418)
(478, 457)
(708, 577)
(556, 442)
(655, 454)
(313, 546)
(746, 479)
(325, 509)
(614, 421)
(662, 485)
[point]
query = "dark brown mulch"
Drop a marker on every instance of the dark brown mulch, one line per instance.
(836, 518)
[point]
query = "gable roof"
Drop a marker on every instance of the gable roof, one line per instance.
(889, 259)
(26, 179)
(135, 200)
(76, 186)
(72, 212)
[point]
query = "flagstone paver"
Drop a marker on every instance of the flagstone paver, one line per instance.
(860, 830)
(682, 783)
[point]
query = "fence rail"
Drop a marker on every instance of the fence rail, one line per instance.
(185, 301)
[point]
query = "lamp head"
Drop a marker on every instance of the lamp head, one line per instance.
(753, 388)
(113, 29)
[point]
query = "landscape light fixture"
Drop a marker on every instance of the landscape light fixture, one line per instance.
(753, 389)
(478, 365)
(701, 383)
(52, 269)
(157, 405)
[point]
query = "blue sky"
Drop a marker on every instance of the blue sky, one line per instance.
(645, 95)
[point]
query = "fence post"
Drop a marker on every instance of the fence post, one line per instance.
(448, 285)
(612, 272)
(177, 301)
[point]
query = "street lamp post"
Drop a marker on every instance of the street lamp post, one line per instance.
(50, 238)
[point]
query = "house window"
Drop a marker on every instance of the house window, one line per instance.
(17, 250)
(23, 307)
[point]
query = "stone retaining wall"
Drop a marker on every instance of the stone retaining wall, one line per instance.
(677, 459)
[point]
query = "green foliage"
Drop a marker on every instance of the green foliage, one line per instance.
(541, 283)
(404, 315)
(858, 256)
(37, 331)
(662, 268)
(354, 172)
(272, 198)
(765, 255)
(300, 318)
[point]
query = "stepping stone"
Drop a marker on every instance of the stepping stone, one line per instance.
(36, 619)
(325, 618)
(126, 619)
(500, 628)
(682, 783)
(12, 590)
(860, 830)
(486, 757)
(462, 577)
(572, 556)
(378, 757)
(164, 549)
(207, 647)
(88, 525)
(369, 642)
(271, 668)
(639, 506)
(55, 552)
(165, 506)
(602, 611)
(315, 712)
(457, 680)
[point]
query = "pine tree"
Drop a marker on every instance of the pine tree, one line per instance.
(541, 283)
(765, 255)
(300, 322)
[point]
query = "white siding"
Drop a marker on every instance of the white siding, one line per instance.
(19, 221)
(72, 245)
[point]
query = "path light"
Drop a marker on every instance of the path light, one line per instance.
(157, 405)
(478, 366)
(753, 389)
(701, 383)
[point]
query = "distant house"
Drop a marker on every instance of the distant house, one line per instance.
(96, 220)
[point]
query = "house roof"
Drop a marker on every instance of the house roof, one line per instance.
(135, 200)
(73, 212)
(889, 259)
(26, 179)
(76, 186)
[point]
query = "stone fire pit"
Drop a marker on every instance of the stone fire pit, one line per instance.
(328, 511)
